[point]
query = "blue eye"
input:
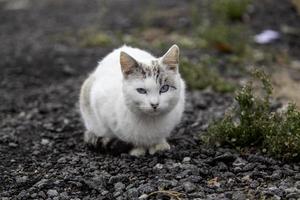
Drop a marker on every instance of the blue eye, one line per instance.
(164, 88)
(141, 90)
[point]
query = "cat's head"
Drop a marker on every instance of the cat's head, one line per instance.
(151, 86)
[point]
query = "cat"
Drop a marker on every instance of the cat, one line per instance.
(134, 97)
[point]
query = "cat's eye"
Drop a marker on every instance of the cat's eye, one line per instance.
(164, 88)
(141, 90)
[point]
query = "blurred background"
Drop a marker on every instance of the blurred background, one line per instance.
(45, 43)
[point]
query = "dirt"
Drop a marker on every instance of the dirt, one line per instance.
(42, 154)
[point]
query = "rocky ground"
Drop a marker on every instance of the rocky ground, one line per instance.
(42, 155)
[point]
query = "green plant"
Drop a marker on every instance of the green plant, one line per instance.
(96, 39)
(230, 9)
(200, 77)
(254, 124)
(225, 38)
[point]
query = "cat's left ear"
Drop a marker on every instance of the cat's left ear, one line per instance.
(128, 64)
(171, 58)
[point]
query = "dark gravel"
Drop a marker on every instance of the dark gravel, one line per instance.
(42, 155)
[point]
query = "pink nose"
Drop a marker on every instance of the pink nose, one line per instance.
(154, 105)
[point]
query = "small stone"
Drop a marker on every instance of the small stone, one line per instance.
(143, 196)
(42, 194)
(222, 167)
(186, 159)
(194, 178)
(276, 175)
(12, 144)
(52, 193)
(62, 160)
(33, 195)
(275, 191)
(146, 188)
(22, 179)
(297, 176)
(117, 193)
(22, 194)
(64, 195)
(297, 185)
(248, 167)
(45, 141)
(158, 166)
(254, 184)
(189, 187)
(239, 195)
(104, 192)
(226, 158)
(119, 186)
(239, 162)
(163, 183)
(132, 193)
(293, 195)
(41, 183)
(117, 178)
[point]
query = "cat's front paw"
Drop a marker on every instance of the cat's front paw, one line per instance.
(163, 146)
(90, 138)
(138, 151)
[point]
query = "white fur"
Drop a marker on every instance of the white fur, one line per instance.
(111, 107)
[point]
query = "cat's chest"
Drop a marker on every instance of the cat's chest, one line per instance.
(143, 131)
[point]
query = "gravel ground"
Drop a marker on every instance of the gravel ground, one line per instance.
(42, 155)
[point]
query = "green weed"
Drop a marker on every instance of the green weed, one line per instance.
(253, 124)
(199, 77)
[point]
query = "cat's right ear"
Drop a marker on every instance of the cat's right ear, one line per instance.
(128, 64)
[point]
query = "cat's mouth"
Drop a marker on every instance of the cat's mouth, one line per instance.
(151, 111)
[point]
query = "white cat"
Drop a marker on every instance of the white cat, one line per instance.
(134, 97)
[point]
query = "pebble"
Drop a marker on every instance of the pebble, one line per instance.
(33, 195)
(45, 141)
(276, 175)
(143, 196)
(294, 195)
(239, 195)
(132, 193)
(189, 187)
(52, 193)
(226, 158)
(297, 176)
(42, 194)
(12, 144)
(119, 186)
(158, 166)
(64, 195)
(146, 188)
(104, 192)
(275, 191)
(41, 183)
(22, 194)
(239, 162)
(117, 193)
(254, 184)
(62, 160)
(22, 179)
(117, 178)
(297, 185)
(186, 159)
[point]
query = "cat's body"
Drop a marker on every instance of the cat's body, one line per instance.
(113, 102)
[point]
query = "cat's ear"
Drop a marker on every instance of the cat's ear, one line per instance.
(128, 64)
(171, 58)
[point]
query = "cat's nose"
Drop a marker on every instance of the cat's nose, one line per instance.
(154, 105)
